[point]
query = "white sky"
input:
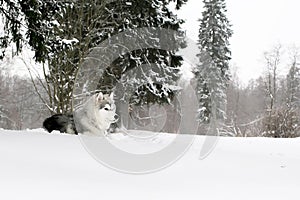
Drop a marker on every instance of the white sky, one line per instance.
(258, 25)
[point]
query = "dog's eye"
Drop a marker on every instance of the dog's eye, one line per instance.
(106, 109)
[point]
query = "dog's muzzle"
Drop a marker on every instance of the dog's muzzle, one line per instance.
(116, 118)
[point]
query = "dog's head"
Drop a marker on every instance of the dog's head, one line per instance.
(106, 107)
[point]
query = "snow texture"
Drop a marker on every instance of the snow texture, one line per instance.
(36, 165)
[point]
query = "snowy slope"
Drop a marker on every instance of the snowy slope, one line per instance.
(35, 165)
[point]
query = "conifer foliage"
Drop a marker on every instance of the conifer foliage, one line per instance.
(62, 33)
(212, 73)
(129, 16)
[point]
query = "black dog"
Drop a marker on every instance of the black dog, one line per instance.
(61, 122)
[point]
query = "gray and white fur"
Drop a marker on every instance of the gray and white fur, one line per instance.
(94, 117)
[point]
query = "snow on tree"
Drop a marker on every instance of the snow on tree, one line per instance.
(23, 22)
(128, 58)
(156, 86)
(281, 116)
(62, 33)
(5, 121)
(34, 23)
(212, 74)
(293, 81)
(10, 10)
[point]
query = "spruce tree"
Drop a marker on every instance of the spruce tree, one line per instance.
(24, 22)
(293, 85)
(212, 73)
(128, 16)
(63, 32)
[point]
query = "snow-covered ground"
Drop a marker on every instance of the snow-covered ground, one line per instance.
(38, 166)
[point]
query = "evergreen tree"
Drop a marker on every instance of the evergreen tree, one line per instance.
(293, 85)
(24, 22)
(128, 16)
(212, 74)
(88, 23)
(10, 11)
(63, 32)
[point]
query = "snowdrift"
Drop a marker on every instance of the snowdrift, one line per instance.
(36, 165)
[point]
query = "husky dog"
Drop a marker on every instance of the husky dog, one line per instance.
(94, 117)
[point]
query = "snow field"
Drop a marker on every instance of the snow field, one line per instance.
(36, 165)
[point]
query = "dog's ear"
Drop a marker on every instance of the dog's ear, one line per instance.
(111, 96)
(99, 97)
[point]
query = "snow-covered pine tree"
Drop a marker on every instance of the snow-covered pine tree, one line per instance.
(291, 118)
(68, 29)
(10, 11)
(35, 23)
(88, 23)
(293, 85)
(62, 32)
(128, 16)
(23, 23)
(212, 74)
